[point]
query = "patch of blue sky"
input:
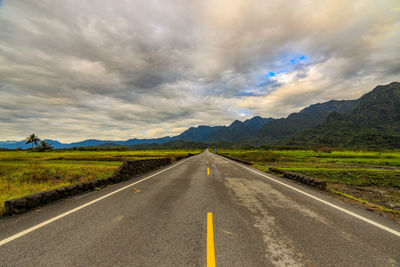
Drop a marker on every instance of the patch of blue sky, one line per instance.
(245, 112)
(298, 59)
(288, 65)
(277, 72)
(266, 83)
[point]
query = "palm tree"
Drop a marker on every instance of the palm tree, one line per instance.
(44, 146)
(32, 139)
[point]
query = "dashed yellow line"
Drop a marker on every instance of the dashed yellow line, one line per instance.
(210, 241)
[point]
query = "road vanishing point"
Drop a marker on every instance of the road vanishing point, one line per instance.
(202, 211)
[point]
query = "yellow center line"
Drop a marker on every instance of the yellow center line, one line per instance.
(210, 241)
(208, 171)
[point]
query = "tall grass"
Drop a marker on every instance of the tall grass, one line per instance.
(23, 173)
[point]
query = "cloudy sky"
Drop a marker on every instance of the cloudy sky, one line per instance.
(72, 70)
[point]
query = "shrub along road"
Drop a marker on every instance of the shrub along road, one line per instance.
(165, 218)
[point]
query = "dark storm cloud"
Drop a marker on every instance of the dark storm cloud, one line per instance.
(123, 69)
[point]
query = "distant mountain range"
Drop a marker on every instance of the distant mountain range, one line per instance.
(309, 117)
(373, 121)
(85, 143)
(236, 132)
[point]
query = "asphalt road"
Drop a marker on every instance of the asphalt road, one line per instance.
(257, 220)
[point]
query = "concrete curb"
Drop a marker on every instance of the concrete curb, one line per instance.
(300, 178)
(235, 159)
(129, 169)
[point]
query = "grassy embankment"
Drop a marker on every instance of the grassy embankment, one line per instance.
(23, 172)
(372, 177)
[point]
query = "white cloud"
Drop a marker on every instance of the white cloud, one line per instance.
(124, 69)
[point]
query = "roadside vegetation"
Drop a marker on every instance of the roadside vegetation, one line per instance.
(367, 176)
(26, 172)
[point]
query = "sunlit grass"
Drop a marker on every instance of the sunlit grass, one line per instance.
(308, 157)
(345, 167)
(366, 202)
(22, 179)
(23, 173)
(91, 155)
(371, 175)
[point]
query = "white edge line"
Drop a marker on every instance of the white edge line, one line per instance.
(33, 228)
(390, 230)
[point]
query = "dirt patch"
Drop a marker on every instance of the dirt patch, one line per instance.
(388, 198)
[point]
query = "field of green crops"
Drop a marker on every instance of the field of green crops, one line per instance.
(374, 176)
(347, 167)
(23, 172)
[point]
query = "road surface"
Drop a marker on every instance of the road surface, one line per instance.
(200, 211)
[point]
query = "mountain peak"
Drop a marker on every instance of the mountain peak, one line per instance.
(374, 123)
(236, 123)
(240, 131)
(309, 117)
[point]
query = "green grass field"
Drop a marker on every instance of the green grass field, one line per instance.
(346, 167)
(23, 172)
(370, 176)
